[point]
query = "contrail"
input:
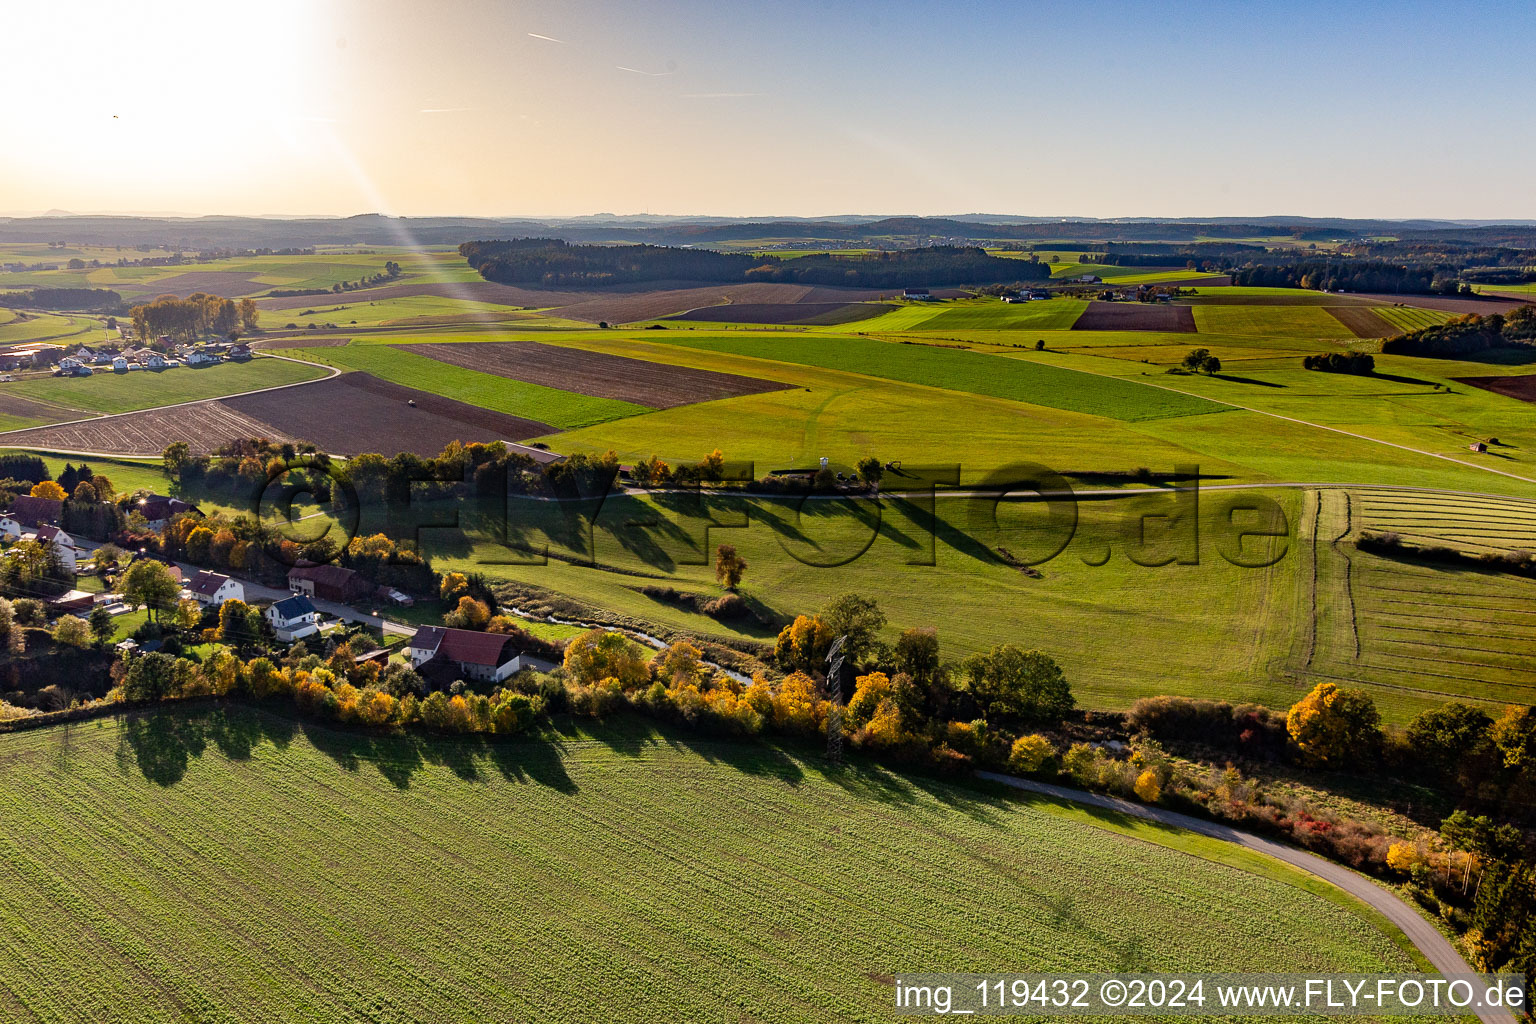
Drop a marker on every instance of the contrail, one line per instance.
(547, 39)
(647, 74)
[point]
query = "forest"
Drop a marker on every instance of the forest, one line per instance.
(551, 263)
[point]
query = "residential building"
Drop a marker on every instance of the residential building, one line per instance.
(212, 589)
(293, 618)
(63, 546)
(482, 657)
(10, 529)
(159, 509)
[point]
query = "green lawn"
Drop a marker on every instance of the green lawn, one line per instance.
(258, 869)
(564, 409)
(958, 370)
(126, 392)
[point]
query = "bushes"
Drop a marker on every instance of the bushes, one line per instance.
(1245, 728)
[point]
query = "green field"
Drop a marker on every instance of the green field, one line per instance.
(1416, 633)
(126, 392)
(1270, 321)
(995, 315)
(237, 866)
(533, 401)
(55, 328)
(958, 370)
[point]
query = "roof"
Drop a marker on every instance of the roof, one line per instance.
(542, 456)
(323, 575)
(160, 506)
(33, 511)
(465, 646)
(292, 607)
(46, 534)
(207, 583)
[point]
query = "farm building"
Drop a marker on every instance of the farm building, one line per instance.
(214, 588)
(916, 294)
(329, 583)
(293, 618)
(30, 511)
(483, 657)
(1477, 446)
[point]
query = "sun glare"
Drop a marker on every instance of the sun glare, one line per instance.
(176, 99)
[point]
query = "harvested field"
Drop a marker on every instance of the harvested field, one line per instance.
(1522, 387)
(657, 385)
(815, 313)
(1451, 304)
(1363, 321)
(215, 282)
(203, 426)
(1135, 316)
(358, 412)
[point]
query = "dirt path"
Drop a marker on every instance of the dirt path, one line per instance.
(1425, 936)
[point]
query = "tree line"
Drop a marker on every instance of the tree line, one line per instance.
(1468, 335)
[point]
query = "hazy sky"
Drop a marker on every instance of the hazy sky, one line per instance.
(788, 107)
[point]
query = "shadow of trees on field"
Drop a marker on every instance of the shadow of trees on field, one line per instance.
(162, 744)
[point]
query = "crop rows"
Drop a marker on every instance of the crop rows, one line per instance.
(1411, 318)
(238, 868)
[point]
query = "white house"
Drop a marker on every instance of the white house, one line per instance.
(10, 529)
(155, 361)
(62, 543)
(293, 618)
(200, 358)
(70, 363)
(119, 363)
(916, 294)
(485, 657)
(214, 588)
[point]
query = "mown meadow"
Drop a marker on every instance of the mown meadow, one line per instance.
(232, 864)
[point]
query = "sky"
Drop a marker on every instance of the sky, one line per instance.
(790, 108)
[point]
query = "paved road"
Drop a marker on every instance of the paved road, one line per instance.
(1436, 949)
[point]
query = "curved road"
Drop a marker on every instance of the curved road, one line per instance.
(1436, 949)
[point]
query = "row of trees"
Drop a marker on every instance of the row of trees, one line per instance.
(1354, 275)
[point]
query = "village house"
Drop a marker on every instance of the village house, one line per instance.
(158, 509)
(197, 357)
(293, 618)
(917, 294)
(212, 589)
(240, 351)
(10, 529)
(329, 583)
(63, 546)
(482, 657)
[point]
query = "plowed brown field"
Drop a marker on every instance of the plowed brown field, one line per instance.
(657, 385)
